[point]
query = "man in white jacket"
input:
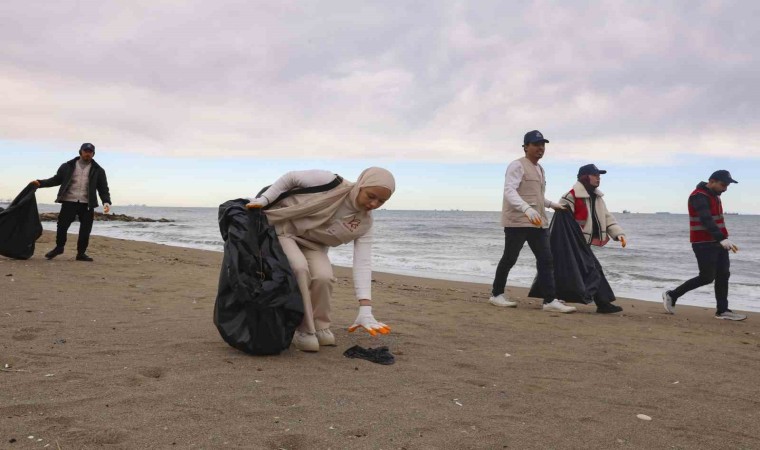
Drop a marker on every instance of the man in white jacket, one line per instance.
(524, 219)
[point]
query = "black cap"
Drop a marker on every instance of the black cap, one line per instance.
(723, 175)
(533, 136)
(590, 169)
(87, 147)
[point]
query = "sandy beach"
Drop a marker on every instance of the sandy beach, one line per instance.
(123, 353)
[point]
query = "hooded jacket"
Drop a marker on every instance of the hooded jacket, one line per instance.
(579, 202)
(98, 182)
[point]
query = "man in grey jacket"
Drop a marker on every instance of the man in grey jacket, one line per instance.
(79, 179)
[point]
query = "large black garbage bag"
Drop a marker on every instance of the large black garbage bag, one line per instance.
(258, 305)
(20, 225)
(578, 275)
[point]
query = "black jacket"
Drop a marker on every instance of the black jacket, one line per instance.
(98, 181)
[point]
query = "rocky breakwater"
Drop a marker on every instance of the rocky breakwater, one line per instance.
(52, 217)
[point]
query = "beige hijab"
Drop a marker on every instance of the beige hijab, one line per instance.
(317, 209)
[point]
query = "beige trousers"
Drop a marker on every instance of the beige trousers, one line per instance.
(314, 275)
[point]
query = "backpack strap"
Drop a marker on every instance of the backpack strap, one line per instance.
(309, 190)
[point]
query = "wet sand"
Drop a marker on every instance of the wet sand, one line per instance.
(123, 353)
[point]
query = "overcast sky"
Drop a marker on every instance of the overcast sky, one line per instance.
(194, 102)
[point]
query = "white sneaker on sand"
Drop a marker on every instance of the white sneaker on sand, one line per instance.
(558, 306)
(667, 302)
(325, 337)
(501, 301)
(730, 315)
(306, 342)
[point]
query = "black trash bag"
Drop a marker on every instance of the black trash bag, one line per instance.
(578, 275)
(20, 225)
(258, 305)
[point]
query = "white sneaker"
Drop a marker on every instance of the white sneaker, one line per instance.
(501, 300)
(668, 303)
(558, 306)
(730, 315)
(325, 337)
(306, 342)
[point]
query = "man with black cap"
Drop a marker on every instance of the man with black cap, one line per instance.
(79, 179)
(709, 240)
(598, 225)
(524, 219)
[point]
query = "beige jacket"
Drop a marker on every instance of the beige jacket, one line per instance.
(532, 190)
(608, 225)
(344, 226)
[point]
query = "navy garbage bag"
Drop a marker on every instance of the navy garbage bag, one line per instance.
(20, 225)
(258, 304)
(578, 275)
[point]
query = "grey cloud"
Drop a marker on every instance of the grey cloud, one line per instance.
(451, 80)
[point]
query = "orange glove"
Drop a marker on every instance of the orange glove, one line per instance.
(257, 203)
(728, 245)
(366, 320)
(533, 216)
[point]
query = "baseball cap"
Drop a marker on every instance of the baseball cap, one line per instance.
(533, 136)
(87, 147)
(590, 169)
(723, 175)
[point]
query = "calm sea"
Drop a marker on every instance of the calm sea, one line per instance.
(466, 246)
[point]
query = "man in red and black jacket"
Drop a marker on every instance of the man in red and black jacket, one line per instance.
(709, 240)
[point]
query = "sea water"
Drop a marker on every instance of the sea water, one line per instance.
(467, 245)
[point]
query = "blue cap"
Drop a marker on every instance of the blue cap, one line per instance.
(533, 136)
(590, 169)
(723, 175)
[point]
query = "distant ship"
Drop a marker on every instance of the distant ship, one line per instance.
(731, 213)
(625, 211)
(662, 212)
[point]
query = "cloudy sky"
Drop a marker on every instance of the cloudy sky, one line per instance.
(194, 102)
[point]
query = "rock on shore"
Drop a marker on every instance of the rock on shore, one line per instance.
(52, 217)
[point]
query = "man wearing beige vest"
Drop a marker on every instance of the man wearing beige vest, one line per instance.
(523, 216)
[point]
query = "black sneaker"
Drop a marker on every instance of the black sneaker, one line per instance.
(83, 257)
(54, 252)
(608, 308)
(730, 315)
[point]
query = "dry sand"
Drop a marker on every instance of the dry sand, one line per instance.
(122, 353)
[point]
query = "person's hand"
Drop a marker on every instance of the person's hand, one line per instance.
(366, 320)
(559, 207)
(36, 183)
(257, 203)
(622, 240)
(106, 208)
(728, 245)
(533, 216)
